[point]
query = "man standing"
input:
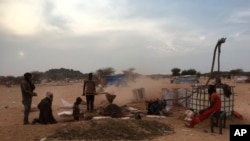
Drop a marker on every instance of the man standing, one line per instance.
(215, 106)
(89, 90)
(27, 88)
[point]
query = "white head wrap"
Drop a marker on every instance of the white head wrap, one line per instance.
(49, 94)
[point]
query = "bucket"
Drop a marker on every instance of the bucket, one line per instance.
(110, 97)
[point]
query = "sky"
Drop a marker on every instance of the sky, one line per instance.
(151, 36)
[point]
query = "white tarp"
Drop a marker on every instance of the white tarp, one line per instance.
(66, 104)
(132, 110)
(65, 113)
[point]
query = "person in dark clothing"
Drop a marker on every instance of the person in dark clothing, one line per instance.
(76, 109)
(155, 106)
(89, 90)
(27, 89)
(45, 107)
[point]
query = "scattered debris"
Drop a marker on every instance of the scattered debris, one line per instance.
(6, 106)
(237, 115)
(43, 139)
(100, 117)
(155, 116)
(189, 115)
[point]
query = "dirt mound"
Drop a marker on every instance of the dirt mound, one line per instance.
(113, 110)
(113, 129)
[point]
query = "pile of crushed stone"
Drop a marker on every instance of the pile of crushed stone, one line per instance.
(113, 129)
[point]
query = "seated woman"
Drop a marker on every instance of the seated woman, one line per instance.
(45, 108)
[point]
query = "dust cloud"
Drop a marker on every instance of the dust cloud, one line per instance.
(124, 94)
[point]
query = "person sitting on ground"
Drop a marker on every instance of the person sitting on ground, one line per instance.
(215, 106)
(45, 108)
(76, 109)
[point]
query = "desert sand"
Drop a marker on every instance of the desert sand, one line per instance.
(12, 128)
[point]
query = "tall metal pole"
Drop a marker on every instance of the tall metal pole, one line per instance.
(218, 46)
(219, 58)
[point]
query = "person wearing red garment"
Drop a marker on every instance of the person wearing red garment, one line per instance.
(215, 106)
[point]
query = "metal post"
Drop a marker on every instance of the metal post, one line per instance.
(218, 46)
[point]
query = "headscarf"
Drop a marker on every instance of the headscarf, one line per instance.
(49, 95)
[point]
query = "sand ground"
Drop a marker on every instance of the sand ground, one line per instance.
(11, 115)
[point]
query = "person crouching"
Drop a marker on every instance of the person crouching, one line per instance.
(45, 108)
(76, 109)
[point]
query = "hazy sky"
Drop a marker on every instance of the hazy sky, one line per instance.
(152, 36)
